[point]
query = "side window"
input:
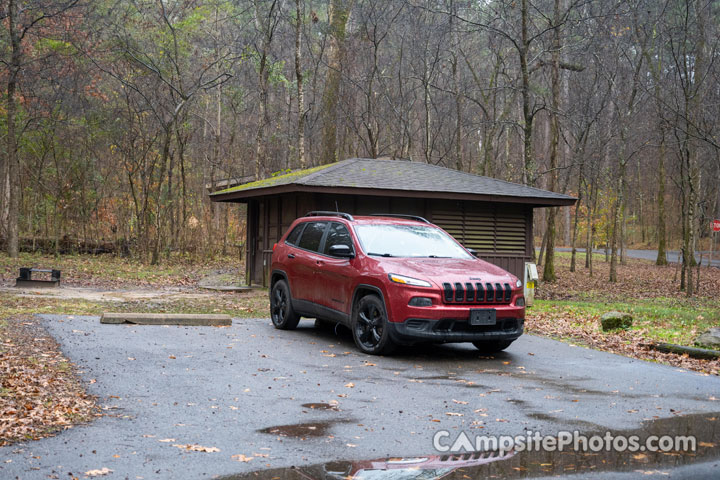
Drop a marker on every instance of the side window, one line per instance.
(292, 239)
(311, 236)
(337, 235)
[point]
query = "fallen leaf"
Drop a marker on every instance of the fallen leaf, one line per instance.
(241, 458)
(197, 448)
(97, 473)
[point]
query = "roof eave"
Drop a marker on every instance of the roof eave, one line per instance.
(242, 196)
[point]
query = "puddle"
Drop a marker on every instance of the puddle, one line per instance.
(438, 377)
(579, 424)
(321, 406)
(704, 427)
(299, 430)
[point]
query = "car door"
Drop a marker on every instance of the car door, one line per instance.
(333, 285)
(289, 253)
(305, 261)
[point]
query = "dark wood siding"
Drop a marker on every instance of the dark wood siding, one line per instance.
(501, 233)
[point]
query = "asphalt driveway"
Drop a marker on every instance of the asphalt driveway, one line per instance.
(262, 399)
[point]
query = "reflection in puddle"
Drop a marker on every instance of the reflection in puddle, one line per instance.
(299, 430)
(704, 427)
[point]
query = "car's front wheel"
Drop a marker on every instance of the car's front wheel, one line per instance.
(370, 326)
(492, 346)
(281, 311)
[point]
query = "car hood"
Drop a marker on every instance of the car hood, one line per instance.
(440, 270)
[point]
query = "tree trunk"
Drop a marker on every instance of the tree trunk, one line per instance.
(456, 87)
(264, 24)
(300, 89)
(339, 12)
(592, 199)
(549, 268)
(573, 240)
(528, 114)
(13, 162)
(661, 234)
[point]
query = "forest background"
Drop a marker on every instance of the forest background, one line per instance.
(117, 115)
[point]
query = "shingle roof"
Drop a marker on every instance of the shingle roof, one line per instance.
(362, 175)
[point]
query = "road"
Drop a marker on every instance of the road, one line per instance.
(270, 399)
(672, 256)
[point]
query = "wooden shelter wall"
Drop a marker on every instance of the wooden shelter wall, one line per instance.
(472, 223)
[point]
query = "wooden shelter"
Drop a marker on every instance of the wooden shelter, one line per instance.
(491, 216)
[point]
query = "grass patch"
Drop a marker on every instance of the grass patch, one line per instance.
(110, 270)
(671, 320)
(245, 305)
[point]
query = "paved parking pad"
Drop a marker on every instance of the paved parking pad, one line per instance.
(199, 402)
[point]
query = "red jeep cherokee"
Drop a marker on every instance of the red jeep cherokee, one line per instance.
(392, 279)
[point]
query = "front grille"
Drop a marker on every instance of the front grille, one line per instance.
(468, 294)
(447, 292)
(459, 293)
(480, 292)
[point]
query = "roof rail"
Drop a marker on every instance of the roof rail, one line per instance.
(398, 215)
(323, 213)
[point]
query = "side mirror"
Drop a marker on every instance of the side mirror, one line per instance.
(473, 252)
(342, 251)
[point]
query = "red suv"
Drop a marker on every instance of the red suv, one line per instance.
(392, 279)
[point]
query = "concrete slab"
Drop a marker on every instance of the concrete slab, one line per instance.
(185, 319)
(230, 288)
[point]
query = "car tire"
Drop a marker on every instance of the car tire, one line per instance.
(281, 311)
(370, 326)
(492, 346)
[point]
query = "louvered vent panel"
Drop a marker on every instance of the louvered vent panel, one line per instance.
(489, 231)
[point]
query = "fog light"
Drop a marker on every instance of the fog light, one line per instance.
(520, 302)
(420, 302)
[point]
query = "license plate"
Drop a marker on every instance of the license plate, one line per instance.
(482, 316)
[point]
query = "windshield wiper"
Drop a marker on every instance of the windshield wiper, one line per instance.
(436, 256)
(381, 254)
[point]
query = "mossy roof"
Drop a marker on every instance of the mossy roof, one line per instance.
(366, 174)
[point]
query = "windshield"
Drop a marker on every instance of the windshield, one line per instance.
(408, 241)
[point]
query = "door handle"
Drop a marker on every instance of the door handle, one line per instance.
(290, 255)
(320, 262)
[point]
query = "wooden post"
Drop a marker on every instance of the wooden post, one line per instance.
(712, 244)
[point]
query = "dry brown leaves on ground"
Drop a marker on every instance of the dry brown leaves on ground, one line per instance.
(631, 343)
(636, 279)
(39, 393)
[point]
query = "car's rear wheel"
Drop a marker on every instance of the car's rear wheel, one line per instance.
(492, 346)
(281, 311)
(370, 326)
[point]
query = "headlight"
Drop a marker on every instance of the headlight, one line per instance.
(518, 284)
(408, 280)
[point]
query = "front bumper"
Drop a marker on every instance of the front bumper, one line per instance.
(415, 330)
